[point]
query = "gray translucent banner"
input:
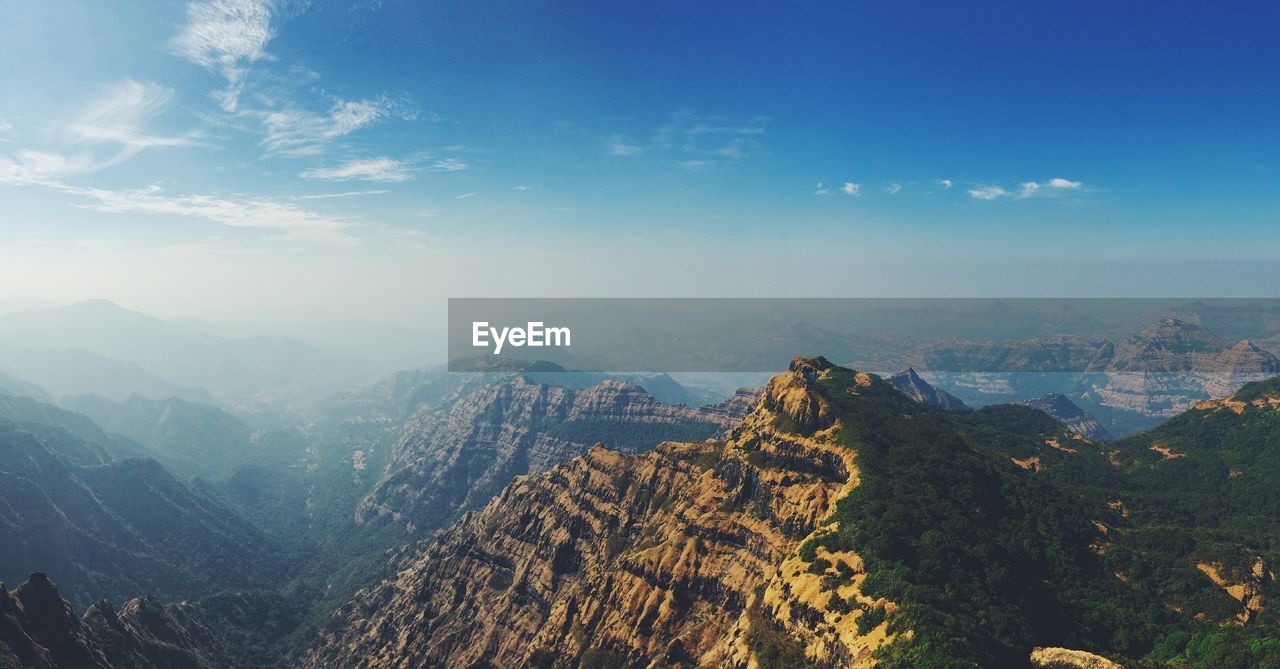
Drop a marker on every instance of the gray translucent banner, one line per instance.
(1042, 335)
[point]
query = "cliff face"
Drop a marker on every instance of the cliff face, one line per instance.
(843, 524)
(671, 555)
(450, 460)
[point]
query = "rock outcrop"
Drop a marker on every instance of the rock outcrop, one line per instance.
(450, 460)
(672, 555)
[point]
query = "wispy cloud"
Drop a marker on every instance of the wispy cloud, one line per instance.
(333, 196)
(850, 188)
(1055, 186)
(43, 167)
(466, 196)
(117, 116)
(622, 146)
(521, 187)
(709, 139)
(692, 141)
(367, 169)
(821, 189)
(945, 183)
(108, 131)
(300, 132)
(227, 36)
(449, 165)
(988, 193)
(286, 220)
(893, 189)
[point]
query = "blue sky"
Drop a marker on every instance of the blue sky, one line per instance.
(239, 158)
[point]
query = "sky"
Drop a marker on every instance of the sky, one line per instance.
(284, 161)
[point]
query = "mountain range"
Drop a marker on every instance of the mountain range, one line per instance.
(844, 524)
(530, 516)
(97, 347)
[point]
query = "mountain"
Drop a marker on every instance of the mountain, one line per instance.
(120, 527)
(1172, 364)
(71, 435)
(35, 345)
(16, 387)
(453, 459)
(188, 437)
(1128, 384)
(909, 383)
(79, 372)
(843, 524)
(1072, 417)
(38, 629)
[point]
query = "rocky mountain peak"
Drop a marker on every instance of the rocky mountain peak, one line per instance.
(795, 394)
(811, 366)
(911, 384)
(1246, 357)
(1180, 336)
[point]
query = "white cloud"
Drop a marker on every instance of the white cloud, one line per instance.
(1055, 186)
(117, 115)
(42, 167)
(620, 145)
(521, 187)
(893, 189)
(945, 183)
(5, 125)
(820, 189)
(988, 193)
(333, 196)
(449, 165)
(109, 130)
(301, 132)
(850, 188)
(466, 196)
(288, 221)
(227, 36)
(367, 169)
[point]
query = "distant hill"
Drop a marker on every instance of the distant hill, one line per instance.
(34, 343)
(1072, 417)
(71, 435)
(189, 437)
(121, 527)
(909, 383)
(13, 386)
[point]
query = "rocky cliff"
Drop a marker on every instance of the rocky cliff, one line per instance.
(452, 459)
(670, 555)
(843, 524)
